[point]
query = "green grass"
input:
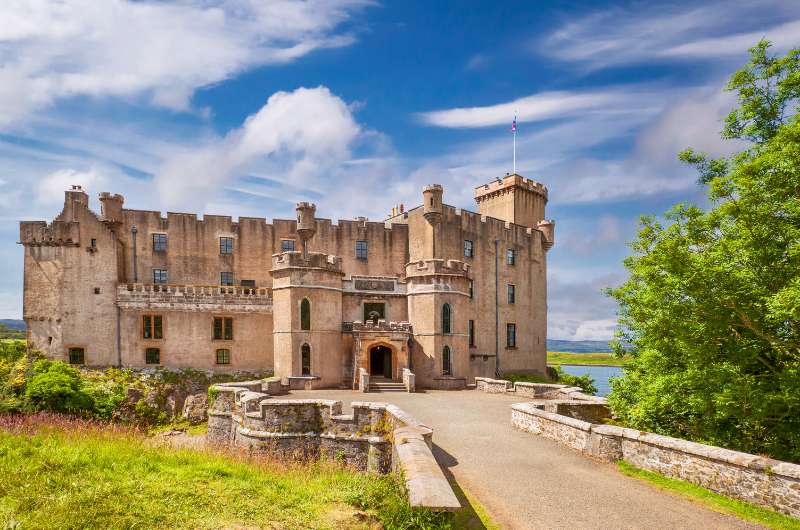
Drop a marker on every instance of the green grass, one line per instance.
(587, 359)
(79, 475)
(715, 501)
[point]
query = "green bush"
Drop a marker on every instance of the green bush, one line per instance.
(584, 382)
(58, 387)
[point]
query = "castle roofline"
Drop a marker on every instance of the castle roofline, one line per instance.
(508, 182)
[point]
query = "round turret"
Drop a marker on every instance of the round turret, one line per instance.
(432, 203)
(306, 222)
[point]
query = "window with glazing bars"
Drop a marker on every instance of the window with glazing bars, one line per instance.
(511, 257)
(223, 328)
(468, 249)
(361, 249)
(226, 278)
(512, 291)
(159, 242)
(511, 335)
(152, 327)
(152, 356)
(287, 245)
(160, 276)
(76, 356)
(223, 356)
(226, 245)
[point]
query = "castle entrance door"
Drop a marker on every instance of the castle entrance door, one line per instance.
(380, 361)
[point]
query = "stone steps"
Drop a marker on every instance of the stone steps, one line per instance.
(387, 387)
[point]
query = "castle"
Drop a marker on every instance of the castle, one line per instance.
(437, 291)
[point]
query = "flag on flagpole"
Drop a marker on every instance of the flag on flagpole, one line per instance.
(514, 125)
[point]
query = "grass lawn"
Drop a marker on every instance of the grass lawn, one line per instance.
(75, 474)
(715, 501)
(607, 359)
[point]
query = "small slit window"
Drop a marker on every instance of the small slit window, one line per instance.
(511, 335)
(447, 367)
(469, 250)
(305, 361)
(472, 333)
(511, 257)
(305, 314)
(512, 293)
(446, 317)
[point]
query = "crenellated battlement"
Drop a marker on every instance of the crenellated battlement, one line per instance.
(313, 260)
(506, 184)
(427, 267)
(57, 233)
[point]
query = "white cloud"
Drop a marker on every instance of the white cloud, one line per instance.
(536, 107)
(675, 31)
(162, 51)
(304, 133)
(50, 190)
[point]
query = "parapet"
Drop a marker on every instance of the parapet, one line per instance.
(111, 207)
(313, 260)
(547, 228)
(509, 181)
(57, 233)
(441, 267)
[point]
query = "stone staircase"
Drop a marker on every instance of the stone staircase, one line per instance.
(386, 385)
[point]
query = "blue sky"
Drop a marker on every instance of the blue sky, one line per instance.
(244, 107)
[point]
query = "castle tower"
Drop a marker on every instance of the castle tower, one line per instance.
(433, 210)
(307, 312)
(111, 209)
(513, 198)
(438, 296)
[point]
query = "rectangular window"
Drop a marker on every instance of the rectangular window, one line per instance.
(159, 242)
(226, 245)
(511, 335)
(76, 356)
(512, 291)
(248, 283)
(152, 327)
(472, 333)
(361, 249)
(511, 257)
(160, 276)
(468, 249)
(223, 356)
(471, 288)
(152, 356)
(226, 278)
(374, 311)
(287, 245)
(223, 328)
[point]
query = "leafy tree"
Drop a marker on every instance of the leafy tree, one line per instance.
(712, 304)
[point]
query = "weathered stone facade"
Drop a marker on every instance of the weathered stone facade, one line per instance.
(442, 293)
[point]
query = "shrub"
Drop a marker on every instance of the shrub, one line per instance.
(584, 382)
(58, 387)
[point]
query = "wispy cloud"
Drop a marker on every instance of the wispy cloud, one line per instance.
(675, 31)
(158, 52)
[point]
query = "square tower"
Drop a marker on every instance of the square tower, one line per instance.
(514, 199)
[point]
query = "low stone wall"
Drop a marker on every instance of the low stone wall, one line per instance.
(449, 383)
(492, 386)
(750, 478)
(409, 380)
(376, 437)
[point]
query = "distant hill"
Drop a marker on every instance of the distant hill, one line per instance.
(13, 324)
(578, 346)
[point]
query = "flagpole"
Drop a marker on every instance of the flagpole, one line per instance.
(515, 151)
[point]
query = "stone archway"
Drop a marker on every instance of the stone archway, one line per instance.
(380, 361)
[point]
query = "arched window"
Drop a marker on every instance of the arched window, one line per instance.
(305, 359)
(446, 318)
(447, 367)
(305, 314)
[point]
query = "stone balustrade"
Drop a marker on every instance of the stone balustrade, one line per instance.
(379, 326)
(232, 298)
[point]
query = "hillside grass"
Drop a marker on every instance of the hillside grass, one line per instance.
(585, 359)
(61, 472)
(714, 501)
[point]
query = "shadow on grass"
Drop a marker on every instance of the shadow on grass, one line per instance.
(471, 515)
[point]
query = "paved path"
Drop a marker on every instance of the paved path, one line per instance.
(526, 481)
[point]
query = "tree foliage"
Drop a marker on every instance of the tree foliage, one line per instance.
(712, 304)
